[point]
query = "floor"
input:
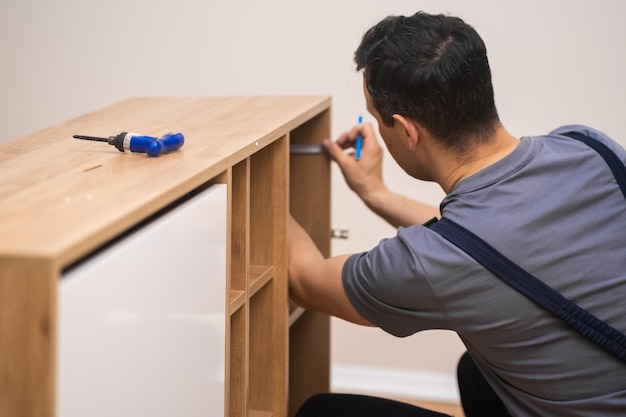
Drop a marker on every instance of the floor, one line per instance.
(454, 410)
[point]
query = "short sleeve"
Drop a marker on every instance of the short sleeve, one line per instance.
(388, 286)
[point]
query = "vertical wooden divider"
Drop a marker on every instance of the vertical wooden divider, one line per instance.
(268, 287)
(237, 387)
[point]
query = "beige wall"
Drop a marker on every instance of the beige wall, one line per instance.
(554, 62)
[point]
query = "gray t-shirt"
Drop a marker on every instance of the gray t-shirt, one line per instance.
(553, 207)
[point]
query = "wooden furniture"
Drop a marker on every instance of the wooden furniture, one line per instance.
(63, 199)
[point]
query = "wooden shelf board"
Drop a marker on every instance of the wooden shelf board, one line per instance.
(259, 275)
(295, 315)
(237, 299)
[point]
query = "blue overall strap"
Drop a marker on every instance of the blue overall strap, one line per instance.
(612, 160)
(594, 329)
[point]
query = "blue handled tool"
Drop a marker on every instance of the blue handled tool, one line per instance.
(132, 142)
(359, 142)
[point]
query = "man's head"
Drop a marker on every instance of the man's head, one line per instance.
(432, 69)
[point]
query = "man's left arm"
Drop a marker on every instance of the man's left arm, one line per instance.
(315, 282)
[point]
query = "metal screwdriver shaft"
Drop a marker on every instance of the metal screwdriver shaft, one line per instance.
(94, 138)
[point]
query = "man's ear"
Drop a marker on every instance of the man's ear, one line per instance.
(409, 128)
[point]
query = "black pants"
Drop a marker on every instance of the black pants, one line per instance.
(477, 397)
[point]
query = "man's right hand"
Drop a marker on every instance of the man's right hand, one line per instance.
(364, 176)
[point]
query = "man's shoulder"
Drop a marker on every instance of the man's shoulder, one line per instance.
(592, 133)
(583, 129)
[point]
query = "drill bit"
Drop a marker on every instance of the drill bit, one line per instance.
(94, 138)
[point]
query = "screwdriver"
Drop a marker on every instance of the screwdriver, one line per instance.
(132, 142)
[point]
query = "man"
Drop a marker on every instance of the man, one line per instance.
(549, 203)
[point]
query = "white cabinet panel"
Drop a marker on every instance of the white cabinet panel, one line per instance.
(142, 324)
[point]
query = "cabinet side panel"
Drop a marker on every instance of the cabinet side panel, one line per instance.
(309, 199)
(27, 338)
(142, 323)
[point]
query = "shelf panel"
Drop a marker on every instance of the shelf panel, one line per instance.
(237, 300)
(295, 312)
(259, 275)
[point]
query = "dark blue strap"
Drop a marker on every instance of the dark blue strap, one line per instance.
(588, 325)
(527, 284)
(612, 160)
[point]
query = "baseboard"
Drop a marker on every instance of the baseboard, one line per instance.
(423, 386)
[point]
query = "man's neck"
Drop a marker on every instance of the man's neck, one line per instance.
(480, 158)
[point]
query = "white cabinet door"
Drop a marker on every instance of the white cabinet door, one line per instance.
(142, 323)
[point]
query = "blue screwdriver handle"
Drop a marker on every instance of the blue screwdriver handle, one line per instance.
(155, 146)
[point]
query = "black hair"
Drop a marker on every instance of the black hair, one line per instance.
(434, 70)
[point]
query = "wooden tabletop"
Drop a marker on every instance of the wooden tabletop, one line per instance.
(60, 197)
